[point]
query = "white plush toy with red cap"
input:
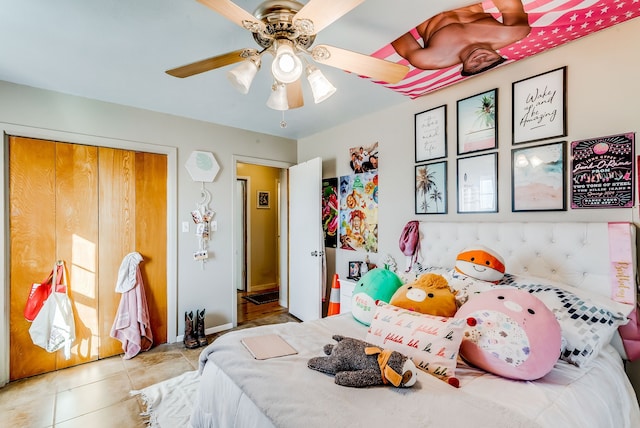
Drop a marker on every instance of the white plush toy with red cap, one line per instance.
(477, 269)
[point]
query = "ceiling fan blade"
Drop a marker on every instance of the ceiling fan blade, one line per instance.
(321, 13)
(294, 94)
(365, 65)
(234, 13)
(210, 63)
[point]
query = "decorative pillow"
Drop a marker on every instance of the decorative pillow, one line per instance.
(481, 263)
(432, 342)
(587, 323)
(511, 333)
(376, 285)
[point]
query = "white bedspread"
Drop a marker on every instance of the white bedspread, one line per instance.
(237, 390)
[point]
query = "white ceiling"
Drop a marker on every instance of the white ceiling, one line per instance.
(117, 51)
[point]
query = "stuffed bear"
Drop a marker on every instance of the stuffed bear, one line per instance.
(377, 285)
(360, 364)
(429, 294)
(511, 333)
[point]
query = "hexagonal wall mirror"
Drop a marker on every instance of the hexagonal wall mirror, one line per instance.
(202, 166)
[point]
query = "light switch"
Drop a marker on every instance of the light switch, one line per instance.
(214, 226)
(185, 226)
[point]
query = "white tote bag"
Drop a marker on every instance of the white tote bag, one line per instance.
(54, 327)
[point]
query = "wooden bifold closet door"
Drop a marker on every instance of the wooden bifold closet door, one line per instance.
(88, 206)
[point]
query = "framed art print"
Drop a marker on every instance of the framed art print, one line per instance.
(477, 122)
(602, 172)
(538, 178)
(478, 184)
(431, 188)
(431, 134)
(263, 199)
(539, 107)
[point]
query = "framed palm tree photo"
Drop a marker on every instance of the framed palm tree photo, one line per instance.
(477, 122)
(431, 188)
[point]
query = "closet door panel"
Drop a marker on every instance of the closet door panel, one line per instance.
(77, 243)
(151, 236)
(117, 235)
(32, 245)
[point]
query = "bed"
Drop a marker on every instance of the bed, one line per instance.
(240, 391)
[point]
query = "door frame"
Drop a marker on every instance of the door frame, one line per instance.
(7, 129)
(283, 223)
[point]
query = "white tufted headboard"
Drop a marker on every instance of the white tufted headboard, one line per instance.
(571, 253)
(576, 254)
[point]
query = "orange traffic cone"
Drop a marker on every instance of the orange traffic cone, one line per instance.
(334, 298)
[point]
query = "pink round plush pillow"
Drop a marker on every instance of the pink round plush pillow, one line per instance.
(510, 333)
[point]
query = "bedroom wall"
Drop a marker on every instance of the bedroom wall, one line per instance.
(602, 94)
(49, 115)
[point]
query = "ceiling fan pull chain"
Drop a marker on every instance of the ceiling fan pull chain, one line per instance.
(283, 123)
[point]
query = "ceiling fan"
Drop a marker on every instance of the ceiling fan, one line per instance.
(287, 29)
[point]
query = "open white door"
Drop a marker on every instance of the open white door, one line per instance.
(306, 246)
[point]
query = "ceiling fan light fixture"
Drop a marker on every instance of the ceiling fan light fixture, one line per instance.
(320, 85)
(286, 66)
(278, 98)
(242, 76)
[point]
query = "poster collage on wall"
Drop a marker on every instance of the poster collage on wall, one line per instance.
(601, 171)
(350, 203)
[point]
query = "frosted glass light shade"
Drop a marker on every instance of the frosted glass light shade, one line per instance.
(242, 76)
(320, 85)
(278, 98)
(286, 66)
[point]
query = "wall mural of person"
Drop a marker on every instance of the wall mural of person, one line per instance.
(450, 46)
(467, 35)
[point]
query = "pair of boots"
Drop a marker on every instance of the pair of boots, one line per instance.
(194, 330)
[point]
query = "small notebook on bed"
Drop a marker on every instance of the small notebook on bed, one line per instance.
(268, 346)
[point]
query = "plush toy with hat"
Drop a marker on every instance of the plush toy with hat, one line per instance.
(510, 333)
(481, 263)
(429, 294)
(377, 285)
(359, 364)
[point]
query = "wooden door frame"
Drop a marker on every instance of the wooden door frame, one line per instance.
(283, 222)
(8, 129)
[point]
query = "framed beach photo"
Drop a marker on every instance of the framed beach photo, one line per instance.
(478, 184)
(431, 188)
(431, 134)
(538, 178)
(477, 122)
(539, 107)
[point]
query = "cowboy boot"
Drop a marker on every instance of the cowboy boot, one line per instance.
(189, 340)
(202, 338)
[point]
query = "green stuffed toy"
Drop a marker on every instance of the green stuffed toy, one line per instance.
(377, 285)
(359, 364)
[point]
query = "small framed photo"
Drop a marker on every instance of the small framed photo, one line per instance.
(478, 184)
(431, 134)
(538, 178)
(539, 107)
(264, 199)
(354, 270)
(431, 188)
(477, 122)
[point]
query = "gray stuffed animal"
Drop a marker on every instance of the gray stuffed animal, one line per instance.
(359, 364)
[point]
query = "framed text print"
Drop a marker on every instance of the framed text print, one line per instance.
(539, 107)
(602, 172)
(431, 134)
